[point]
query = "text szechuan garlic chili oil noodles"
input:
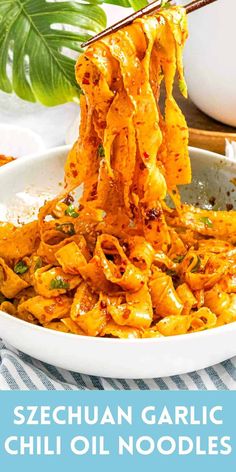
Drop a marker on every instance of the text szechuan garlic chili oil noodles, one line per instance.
(122, 263)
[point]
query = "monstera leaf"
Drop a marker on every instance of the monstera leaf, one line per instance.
(136, 4)
(36, 41)
(33, 45)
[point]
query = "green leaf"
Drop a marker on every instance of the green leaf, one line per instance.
(171, 273)
(66, 228)
(178, 259)
(38, 264)
(135, 4)
(183, 87)
(20, 267)
(101, 152)
(197, 265)
(33, 46)
(70, 211)
(206, 221)
(58, 283)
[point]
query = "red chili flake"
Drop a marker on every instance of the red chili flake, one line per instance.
(145, 155)
(49, 309)
(74, 173)
(95, 82)
(68, 200)
(126, 314)
(87, 75)
(85, 81)
(153, 214)
(72, 165)
(59, 300)
(136, 259)
(142, 166)
(93, 140)
(103, 125)
(103, 304)
(93, 190)
(122, 270)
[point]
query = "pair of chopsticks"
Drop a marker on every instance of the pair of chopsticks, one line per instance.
(152, 7)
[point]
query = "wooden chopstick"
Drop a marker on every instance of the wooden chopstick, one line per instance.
(197, 4)
(154, 6)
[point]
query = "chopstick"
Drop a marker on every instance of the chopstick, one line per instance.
(197, 4)
(154, 6)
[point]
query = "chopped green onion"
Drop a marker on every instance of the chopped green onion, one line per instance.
(70, 211)
(197, 265)
(101, 151)
(58, 283)
(178, 259)
(66, 228)
(206, 221)
(38, 264)
(183, 87)
(171, 272)
(20, 268)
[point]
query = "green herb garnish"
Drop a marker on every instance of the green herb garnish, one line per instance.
(206, 221)
(197, 265)
(178, 259)
(70, 211)
(183, 87)
(66, 228)
(101, 151)
(58, 283)
(38, 264)
(171, 272)
(20, 268)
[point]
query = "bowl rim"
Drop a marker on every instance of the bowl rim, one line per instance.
(99, 339)
(163, 339)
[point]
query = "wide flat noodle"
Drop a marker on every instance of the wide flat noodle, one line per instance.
(120, 262)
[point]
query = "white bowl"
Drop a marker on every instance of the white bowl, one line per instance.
(140, 358)
(209, 60)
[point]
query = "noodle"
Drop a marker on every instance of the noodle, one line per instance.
(121, 263)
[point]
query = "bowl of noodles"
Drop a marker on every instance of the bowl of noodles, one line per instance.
(128, 356)
(125, 265)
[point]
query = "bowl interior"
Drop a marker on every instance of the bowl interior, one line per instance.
(26, 184)
(213, 181)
